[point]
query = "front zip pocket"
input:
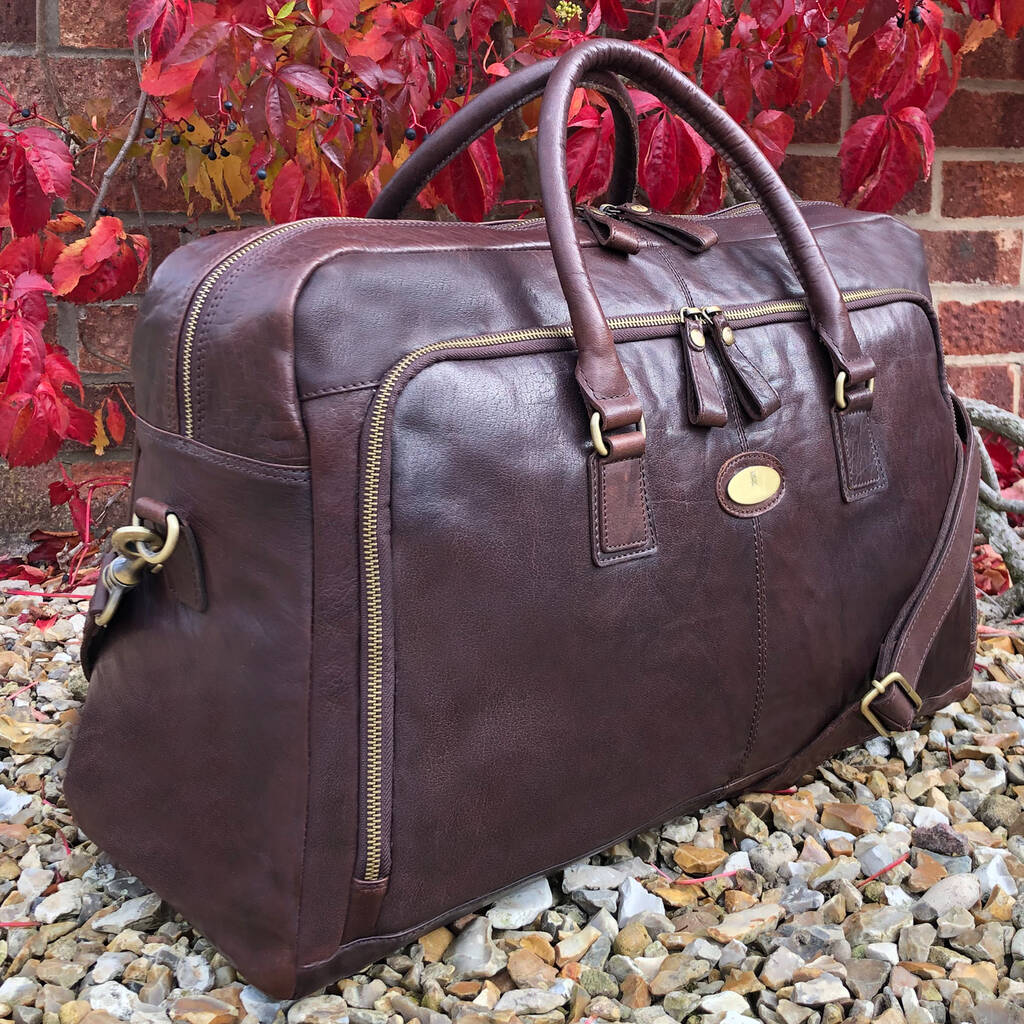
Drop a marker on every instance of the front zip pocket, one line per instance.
(374, 861)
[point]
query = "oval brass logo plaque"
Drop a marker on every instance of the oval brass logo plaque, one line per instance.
(753, 484)
(750, 483)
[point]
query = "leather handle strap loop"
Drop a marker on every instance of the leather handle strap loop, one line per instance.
(599, 372)
(485, 111)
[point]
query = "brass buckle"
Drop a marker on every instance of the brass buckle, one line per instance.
(139, 549)
(600, 445)
(841, 388)
(878, 687)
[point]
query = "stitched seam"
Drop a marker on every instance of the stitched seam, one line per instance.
(266, 471)
(651, 541)
(358, 385)
(851, 489)
(864, 484)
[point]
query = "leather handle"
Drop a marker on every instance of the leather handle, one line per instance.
(599, 372)
(485, 111)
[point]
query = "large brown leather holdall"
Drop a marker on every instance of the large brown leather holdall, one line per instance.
(462, 529)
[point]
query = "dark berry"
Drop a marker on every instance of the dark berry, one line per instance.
(232, 127)
(190, 127)
(460, 90)
(224, 152)
(822, 41)
(356, 128)
(150, 133)
(213, 156)
(769, 64)
(410, 133)
(437, 104)
(26, 112)
(228, 105)
(262, 174)
(103, 211)
(175, 139)
(205, 150)
(916, 16)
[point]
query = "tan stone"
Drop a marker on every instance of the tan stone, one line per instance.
(743, 982)
(634, 992)
(926, 873)
(980, 978)
(203, 1010)
(574, 946)
(677, 895)
(468, 989)
(529, 971)
(540, 944)
(736, 900)
(632, 940)
(435, 943)
(699, 860)
(746, 925)
(854, 818)
(788, 811)
(73, 1012)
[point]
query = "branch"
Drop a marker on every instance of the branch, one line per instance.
(115, 164)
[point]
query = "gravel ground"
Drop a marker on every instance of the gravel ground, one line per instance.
(884, 889)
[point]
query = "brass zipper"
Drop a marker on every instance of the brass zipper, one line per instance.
(373, 851)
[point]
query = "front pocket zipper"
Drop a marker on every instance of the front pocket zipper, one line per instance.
(374, 859)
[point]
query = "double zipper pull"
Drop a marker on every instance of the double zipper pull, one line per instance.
(754, 391)
(694, 236)
(139, 550)
(705, 404)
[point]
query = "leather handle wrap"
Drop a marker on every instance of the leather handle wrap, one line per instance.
(599, 372)
(486, 110)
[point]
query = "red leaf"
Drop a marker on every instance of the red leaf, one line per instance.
(526, 13)
(26, 356)
(307, 80)
(881, 157)
(106, 265)
(35, 169)
(115, 420)
(659, 159)
(471, 183)
(294, 196)
(772, 130)
(142, 15)
(588, 155)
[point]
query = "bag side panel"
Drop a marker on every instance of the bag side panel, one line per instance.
(190, 764)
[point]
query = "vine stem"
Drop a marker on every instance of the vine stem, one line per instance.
(991, 518)
(115, 164)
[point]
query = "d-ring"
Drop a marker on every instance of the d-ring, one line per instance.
(600, 445)
(841, 389)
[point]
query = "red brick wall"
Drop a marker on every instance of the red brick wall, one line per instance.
(971, 213)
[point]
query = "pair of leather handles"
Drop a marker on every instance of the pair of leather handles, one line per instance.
(605, 386)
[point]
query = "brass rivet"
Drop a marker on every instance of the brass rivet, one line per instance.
(727, 335)
(696, 338)
(639, 208)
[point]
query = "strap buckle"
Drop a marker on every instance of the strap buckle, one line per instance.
(878, 687)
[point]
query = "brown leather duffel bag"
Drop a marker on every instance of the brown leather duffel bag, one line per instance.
(423, 590)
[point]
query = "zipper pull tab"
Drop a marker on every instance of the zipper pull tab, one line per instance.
(694, 236)
(610, 232)
(754, 391)
(705, 404)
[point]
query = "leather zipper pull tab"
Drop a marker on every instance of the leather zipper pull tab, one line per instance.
(705, 404)
(754, 391)
(610, 232)
(693, 236)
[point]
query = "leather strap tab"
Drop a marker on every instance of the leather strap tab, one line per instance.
(692, 236)
(611, 233)
(754, 391)
(183, 573)
(704, 402)
(622, 523)
(860, 468)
